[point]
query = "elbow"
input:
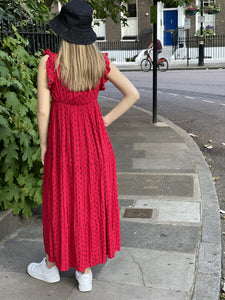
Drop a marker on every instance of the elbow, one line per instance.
(133, 96)
(136, 95)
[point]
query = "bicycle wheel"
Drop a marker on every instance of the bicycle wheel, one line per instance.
(163, 64)
(146, 65)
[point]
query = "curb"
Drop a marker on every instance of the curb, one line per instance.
(173, 67)
(208, 272)
(208, 260)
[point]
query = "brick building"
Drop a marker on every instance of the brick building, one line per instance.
(215, 20)
(169, 19)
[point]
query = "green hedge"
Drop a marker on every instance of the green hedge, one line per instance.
(20, 165)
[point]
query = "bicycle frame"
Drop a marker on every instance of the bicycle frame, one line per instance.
(147, 62)
(151, 60)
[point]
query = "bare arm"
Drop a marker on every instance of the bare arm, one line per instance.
(150, 46)
(130, 95)
(43, 106)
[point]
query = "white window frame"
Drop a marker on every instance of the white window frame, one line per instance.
(209, 19)
(208, 2)
(101, 28)
(131, 19)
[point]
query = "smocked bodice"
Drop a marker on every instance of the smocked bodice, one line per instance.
(62, 94)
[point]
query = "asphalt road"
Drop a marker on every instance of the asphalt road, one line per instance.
(195, 101)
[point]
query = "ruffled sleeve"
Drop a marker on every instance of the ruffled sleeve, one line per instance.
(50, 67)
(107, 70)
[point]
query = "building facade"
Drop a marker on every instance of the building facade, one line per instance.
(168, 20)
(139, 26)
(214, 20)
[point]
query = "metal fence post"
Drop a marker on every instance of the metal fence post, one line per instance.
(201, 42)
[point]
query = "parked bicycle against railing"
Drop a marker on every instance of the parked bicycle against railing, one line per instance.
(147, 63)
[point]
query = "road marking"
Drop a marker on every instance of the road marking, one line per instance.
(143, 90)
(159, 92)
(188, 97)
(222, 104)
(208, 101)
(173, 94)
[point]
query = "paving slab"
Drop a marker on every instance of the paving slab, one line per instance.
(160, 237)
(155, 184)
(172, 211)
(118, 133)
(163, 156)
(20, 286)
(117, 291)
(9, 222)
(15, 255)
(126, 203)
(127, 164)
(144, 267)
(32, 232)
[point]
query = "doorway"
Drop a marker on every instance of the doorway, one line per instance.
(170, 25)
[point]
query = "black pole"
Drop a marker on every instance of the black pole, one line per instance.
(201, 41)
(155, 69)
(188, 46)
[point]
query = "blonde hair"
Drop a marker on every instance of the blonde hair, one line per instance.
(81, 66)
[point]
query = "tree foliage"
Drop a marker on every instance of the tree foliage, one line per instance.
(110, 8)
(104, 9)
(20, 165)
(40, 10)
(23, 10)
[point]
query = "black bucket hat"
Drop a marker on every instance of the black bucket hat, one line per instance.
(74, 23)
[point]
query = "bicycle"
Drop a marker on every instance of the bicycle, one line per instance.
(146, 63)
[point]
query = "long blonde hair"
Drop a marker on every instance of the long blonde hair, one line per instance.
(81, 66)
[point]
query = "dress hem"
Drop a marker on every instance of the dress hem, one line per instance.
(81, 270)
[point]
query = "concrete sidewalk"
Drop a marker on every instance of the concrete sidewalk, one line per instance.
(170, 224)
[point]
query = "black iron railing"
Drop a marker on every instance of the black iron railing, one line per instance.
(185, 47)
(40, 37)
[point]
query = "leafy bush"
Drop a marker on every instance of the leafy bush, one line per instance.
(23, 11)
(20, 165)
(207, 31)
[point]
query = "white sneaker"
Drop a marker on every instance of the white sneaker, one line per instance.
(85, 281)
(42, 272)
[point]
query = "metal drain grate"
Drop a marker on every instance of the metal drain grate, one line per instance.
(138, 213)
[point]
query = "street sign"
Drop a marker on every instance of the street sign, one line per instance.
(187, 23)
(153, 14)
(201, 19)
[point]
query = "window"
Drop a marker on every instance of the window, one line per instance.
(208, 2)
(132, 11)
(209, 19)
(130, 32)
(99, 29)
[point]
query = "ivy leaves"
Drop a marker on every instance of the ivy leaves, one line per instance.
(20, 164)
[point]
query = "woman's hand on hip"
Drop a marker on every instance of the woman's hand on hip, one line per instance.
(43, 152)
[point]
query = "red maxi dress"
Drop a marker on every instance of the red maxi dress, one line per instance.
(81, 225)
